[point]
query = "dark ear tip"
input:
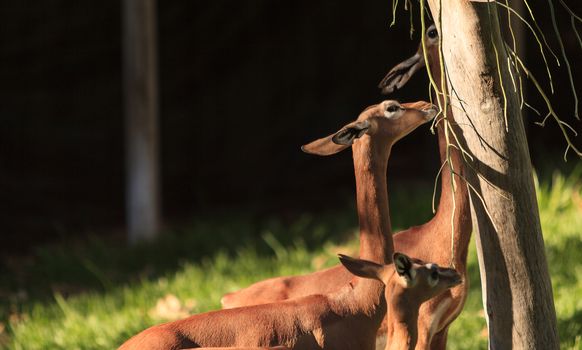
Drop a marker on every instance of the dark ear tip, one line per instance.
(345, 258)
(387, 89)
(339, 139)
(397, 255)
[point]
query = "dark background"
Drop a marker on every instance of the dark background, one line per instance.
(243, 84)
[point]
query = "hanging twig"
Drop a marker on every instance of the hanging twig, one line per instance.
(558, 36)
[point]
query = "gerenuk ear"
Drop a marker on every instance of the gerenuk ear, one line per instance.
(323, 147)
(339, 141)
(403, 266)
(401, 73)
(350, 132)
(362, 268)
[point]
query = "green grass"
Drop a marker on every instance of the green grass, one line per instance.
(95, 294)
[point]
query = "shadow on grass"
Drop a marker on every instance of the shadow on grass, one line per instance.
(99, 264)
(105, 265)
(570, 328)
(102, 263)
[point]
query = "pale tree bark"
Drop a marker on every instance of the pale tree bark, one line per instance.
(141, 114)
(517, 291)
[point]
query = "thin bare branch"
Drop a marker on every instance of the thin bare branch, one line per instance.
(541, 48)
(572, 14)
(436, 181)
(573, 23)
(394, 6)
(408, 7)
(569, 127)
(425, 55)
(533, 109)
(459, 147)
(529, 74)
(563, 50)
(510, 26)
(501, 85)
(511, 74)
(541, 32)
(481, 200)
(543, 122)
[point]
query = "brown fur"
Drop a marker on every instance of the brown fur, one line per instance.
(421, 240)
(294, 323)
(346, 319)
(415, 284)
(244, 348)
(430, 241)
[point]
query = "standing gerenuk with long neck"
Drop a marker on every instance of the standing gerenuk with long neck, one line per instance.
(370, 162)
(429, 241)
(348, 318)
(445, 238)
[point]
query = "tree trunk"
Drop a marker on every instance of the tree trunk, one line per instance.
(517, 293)
(141, 110)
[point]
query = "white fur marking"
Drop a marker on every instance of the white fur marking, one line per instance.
(381, 341)
(436, 317)
(319, 337)
(392, 115)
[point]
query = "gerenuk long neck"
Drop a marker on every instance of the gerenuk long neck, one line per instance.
(403, 332)
(462, 209)
(370, 164)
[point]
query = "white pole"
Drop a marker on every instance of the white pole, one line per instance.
(141, 117)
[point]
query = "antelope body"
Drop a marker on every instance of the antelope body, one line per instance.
(348, 318)
(451, 225)
(244, 348)
(316, 321)
(430, 241)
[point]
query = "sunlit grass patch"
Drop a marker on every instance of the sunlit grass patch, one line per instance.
(99, 294)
